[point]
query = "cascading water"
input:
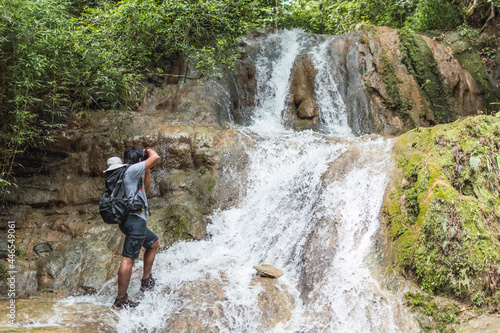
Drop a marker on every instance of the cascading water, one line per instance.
(299, 214)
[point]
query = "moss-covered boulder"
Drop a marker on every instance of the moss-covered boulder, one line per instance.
(442, 210)
(413, 81)
(467, 51)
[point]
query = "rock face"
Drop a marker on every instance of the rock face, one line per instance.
(396, 97)
(63, 245)
(210, 306)
(463, 89)
(302, 112)
(405, 91)
(389, 81)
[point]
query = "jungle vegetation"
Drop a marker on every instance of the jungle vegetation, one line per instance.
(59, 57)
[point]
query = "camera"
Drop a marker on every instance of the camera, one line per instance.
(146, 155)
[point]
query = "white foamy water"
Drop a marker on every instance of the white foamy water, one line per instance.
(274, 65)
(332, 108)
(318, 231)
(311, 209)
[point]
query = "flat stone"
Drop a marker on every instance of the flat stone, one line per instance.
(270, 271)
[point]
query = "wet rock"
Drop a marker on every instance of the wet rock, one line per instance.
(77, 267)
(231, 170)
(245, 90)
(349, 61)
(275, 302)
(341, 166)
(181, 219)
(302, 112)
(269, 271)
(198, 303)
(201, 306)
(44, 247)
(42, 311)
(464, 95)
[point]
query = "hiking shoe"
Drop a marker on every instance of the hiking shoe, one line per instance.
(148, 283)
(123, 302)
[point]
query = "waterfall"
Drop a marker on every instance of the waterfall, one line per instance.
(311, 209)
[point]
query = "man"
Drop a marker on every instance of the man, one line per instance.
(137, 182)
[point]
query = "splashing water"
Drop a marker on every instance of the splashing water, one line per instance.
(331, 106)
(311, 209)
(299, 214)
(273, 79)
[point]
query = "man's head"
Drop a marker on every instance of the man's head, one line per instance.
(133, 155)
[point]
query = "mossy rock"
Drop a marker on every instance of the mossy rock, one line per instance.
(472, 63)
(432, 313)
(442, 209)
(421, 63)
(467, 56)
(182, 219)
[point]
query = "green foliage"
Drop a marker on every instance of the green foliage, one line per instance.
(433, 15)
(134, 36)
(485, 43)
(340, 16)
(60, 56)
(36, 60)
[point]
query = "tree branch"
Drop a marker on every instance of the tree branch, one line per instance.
(492, 15)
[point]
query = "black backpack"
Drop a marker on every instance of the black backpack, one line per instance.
(114, 205)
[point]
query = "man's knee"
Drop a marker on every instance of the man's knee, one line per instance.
(128, 259)
(126, 262)
(156, 245)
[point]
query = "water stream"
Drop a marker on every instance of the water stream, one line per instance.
(311, 209)
(318, 229)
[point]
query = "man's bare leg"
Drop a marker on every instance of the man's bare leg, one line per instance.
(124, 274)
(149, 258)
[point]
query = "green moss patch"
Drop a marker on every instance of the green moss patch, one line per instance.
(418, 58)
(396, 101)
(442, 313)
(442, 210)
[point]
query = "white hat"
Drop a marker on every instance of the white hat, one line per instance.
(114, 163)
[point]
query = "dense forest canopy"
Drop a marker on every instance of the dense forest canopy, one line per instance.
(63, 56)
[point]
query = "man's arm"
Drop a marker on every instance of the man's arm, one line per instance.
(151, 161)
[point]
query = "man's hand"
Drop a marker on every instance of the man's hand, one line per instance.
(152, 159)
(150, 162)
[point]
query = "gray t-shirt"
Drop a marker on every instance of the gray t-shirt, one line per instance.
(132, 176)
